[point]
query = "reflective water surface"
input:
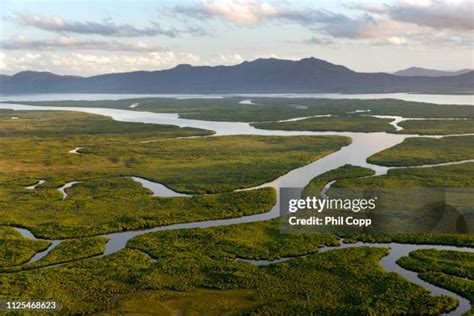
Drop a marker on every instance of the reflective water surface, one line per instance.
(430, 98)
(158, 189)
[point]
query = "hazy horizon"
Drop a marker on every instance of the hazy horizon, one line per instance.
(81, 38)
(151, 70)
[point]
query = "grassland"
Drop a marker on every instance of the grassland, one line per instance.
(453, 270)
(274, 109)
(420, 151)
(344, 281)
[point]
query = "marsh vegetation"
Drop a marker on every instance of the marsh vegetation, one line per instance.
(273, 109)
(352, 123)
(189, 260)
(183, 270)
(449, 269)
(106, 200)
(425, 151)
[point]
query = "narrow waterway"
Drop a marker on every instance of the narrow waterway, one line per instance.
(66, 186)
(37, 184)
(158, 189)
(75, 151)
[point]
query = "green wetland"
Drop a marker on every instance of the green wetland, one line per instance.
(198, 258)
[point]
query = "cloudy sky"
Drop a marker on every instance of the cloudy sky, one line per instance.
(91, 37)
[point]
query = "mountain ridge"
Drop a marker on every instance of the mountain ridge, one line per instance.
(419, 71)
(263, 75)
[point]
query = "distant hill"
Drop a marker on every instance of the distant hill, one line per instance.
(309, 75)
(417, 71)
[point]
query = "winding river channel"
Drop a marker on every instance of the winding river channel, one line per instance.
(363, 146)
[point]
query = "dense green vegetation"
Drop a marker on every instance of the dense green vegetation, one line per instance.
(61, 124)
(315, 186)
(259, 240)
(194, 302)
(453, 270)
(15, 249)
(409, 194)
(349, 123)
(413, 205)
(437, 127)
(86, 285)
(202, 165)
(217, 164)
(420, 151)
(456, 263)
(452, 176)
(273, 109)
(183, 271)
(350, 114)
(461, 240)
(105, 205)
(66, 251)
(342, 281)
(347, 282)
(286, 282)
(108, 201)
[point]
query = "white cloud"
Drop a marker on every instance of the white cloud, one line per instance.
(436, 14)
(3, 64)
(418, 3)
(453, 15)
(378, 8)
(104, 28)
(319, 40)
(244, 12)
(414, 22)
(255, 12)
(395, 40)
(69, 43)
(396, 23)
(23, 61)
(225, 59)
(95, 63)
(98, 63)
(91, 47)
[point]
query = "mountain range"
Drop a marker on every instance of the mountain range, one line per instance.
(417, 71)
(308, 75)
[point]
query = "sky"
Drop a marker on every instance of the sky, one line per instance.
(71, 37)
